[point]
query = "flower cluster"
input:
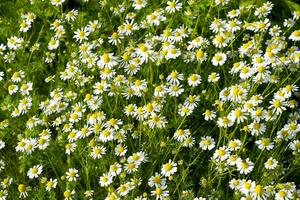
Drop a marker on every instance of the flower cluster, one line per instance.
(149, 100)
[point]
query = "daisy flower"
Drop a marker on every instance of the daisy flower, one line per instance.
(139, 4)
(295, 36)
(72, 174)
(295, 146)
(51, 184)
(156, 180)
(81, 34)
(22, 189)
(180, 135)
(277, 106)
(283, 195)
(221, 154)
(107, 60)
(53, 44)
(194, 80)
(207, 143)
(105, 180)
(245, 167)
(213, 77)
(98, 152)
(258, 192)
(175, 90)
(209, 115)
(68, 194)
(160, 192)
(35, 171)
(157, 121)
(115, 169)
(264, 143)
(219, 59)
(169, 168)
(233, 13)
(173, 6)
(57, 2)
(271, 163)
(220, 41)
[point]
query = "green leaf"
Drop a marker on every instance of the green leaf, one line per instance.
(292, 5)
(245, 3)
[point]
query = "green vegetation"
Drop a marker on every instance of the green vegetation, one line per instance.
(147, 99)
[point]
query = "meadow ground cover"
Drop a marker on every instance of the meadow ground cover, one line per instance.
(147, 99)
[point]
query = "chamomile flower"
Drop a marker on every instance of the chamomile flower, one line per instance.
(220, 41)
(175, 90)
(115, 169)
(180, 135)
(160, 192)
(238, 115)
(57, 2)
(213, 77)
(22, 190)
(107, 60)
(219, 59)
(17, 76)
(105, 180)
(81, 34)
(271, 163)
(194, 80)
(115, 38)
(257, 128)
(35, 171)
(233, 13)
(156, 180)
(295, 36)
(221, 154)
(283, 195)
(264, 143)
(120, 150)
(72, 174)
(12, 89)
(139, 4)
(245, 167)
(51, 184)
(277, 106)
(98, 152)
(69, 194)
(234, 145)
(169, 168)
(258, 192)
(53, 44)
(207, 143)
(173, 6)
(71, 15)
